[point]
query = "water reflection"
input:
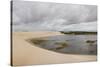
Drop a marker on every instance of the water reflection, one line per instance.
(68, 44)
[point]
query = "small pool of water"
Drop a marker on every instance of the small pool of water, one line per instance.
(68, 44)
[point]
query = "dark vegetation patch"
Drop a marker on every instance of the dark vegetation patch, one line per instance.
(78, 32)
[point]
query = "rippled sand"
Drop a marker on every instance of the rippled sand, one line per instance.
(26, 54)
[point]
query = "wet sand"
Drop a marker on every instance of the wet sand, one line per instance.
(24, 53)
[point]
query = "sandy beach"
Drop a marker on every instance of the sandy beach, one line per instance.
(24, 53)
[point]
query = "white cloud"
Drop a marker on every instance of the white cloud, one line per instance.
(29, 15)
(91, 26)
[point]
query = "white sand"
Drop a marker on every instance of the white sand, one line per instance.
(24, 53)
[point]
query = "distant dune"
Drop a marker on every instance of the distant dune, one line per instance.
(26, 54)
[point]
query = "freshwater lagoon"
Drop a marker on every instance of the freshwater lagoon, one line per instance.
(68, 44)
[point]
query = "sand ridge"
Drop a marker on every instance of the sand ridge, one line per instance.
(26, 54)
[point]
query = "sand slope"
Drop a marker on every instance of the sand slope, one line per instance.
(24, 53)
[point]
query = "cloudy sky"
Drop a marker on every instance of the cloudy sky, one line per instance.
(46, 16)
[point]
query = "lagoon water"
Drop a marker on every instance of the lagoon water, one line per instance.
(69, 44)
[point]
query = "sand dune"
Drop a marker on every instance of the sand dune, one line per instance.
(26, 54)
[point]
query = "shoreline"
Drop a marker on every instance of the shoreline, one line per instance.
(24, 53)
